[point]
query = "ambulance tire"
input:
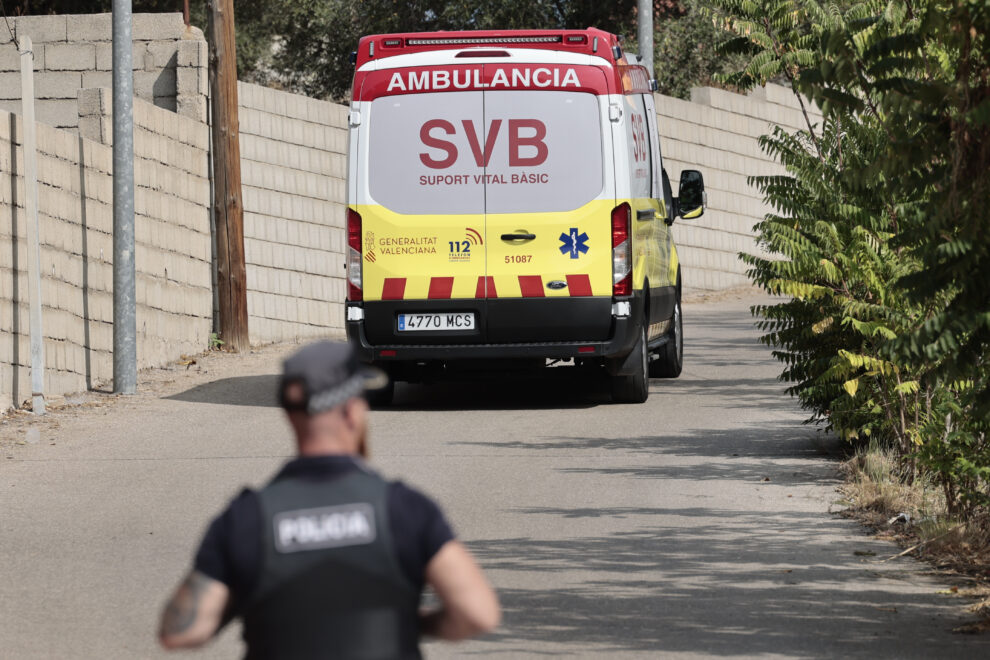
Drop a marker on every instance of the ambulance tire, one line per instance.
(382, 398)
(634, 388)
(670, 356)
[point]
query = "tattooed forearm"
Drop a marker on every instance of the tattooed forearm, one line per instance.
(182, 610)
(194, 613)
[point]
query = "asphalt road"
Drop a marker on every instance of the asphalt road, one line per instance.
(698, 524)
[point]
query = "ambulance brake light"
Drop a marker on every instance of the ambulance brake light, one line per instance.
(354, 278)
(621, 250)
(482, 53)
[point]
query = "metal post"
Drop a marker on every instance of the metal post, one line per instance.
(645, 33)
(29, 144)
(124, 303)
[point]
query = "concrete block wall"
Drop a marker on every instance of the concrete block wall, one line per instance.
(716, 132)
(73, 52)
(172, 252)
(293, 170)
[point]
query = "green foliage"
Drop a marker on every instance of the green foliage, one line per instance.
(685, 51)
(876, 236)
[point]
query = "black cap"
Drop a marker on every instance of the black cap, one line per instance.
(330, 374)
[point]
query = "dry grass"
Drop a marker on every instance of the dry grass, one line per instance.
(875, 488)
(878, 492)
(912, 512)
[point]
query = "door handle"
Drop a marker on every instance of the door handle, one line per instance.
(646, 214)
(518, 237)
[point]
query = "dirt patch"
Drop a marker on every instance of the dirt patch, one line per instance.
(746, 292)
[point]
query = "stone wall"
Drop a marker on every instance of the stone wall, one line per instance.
(172, 255)
(73, 52)
(293, 171)
(716, 132)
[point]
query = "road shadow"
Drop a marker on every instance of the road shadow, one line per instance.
(537, 392)
(780, 455)
(718, 583)
(553, 388)
(571, 388)
(259, 391)
(778, 440)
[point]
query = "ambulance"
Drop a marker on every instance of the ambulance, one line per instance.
(508, 208)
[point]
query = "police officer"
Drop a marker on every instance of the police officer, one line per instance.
(329, 560)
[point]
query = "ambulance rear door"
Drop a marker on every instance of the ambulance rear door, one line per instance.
(422, 214)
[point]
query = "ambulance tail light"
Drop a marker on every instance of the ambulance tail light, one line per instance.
(354, 280)
(621, 250)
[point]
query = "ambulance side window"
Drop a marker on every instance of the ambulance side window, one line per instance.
(640, 147)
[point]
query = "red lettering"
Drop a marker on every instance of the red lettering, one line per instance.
(639, 138)
(516, 141)
(472, 136)
(437, 143)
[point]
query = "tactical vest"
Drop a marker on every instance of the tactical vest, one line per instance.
(330, 583)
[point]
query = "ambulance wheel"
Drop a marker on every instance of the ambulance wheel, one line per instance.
(634, 388)
(671, 355)
(382, 398)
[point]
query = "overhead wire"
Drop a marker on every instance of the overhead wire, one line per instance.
(13, 35)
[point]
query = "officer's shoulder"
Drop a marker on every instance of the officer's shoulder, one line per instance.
(401, 490)
(244, 503)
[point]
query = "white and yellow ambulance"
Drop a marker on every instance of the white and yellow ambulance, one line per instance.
(507, 205)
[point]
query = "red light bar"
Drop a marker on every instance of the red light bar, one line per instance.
(483, 40)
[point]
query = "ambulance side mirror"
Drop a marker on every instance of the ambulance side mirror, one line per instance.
(691, 196)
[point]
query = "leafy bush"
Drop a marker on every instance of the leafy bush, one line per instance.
(876, 235)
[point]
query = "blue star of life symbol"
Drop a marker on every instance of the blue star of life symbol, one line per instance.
(574, 243)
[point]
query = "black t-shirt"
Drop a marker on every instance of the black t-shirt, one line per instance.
(231, 550)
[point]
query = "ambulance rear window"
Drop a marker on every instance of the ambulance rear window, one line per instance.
(475, 152)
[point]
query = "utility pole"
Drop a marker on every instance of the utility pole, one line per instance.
(124, 299)
(645, 33)
(30, 146)
(228, 207)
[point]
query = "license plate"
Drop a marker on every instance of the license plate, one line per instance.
(441, 322)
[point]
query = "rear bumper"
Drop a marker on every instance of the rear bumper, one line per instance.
(620, 340)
